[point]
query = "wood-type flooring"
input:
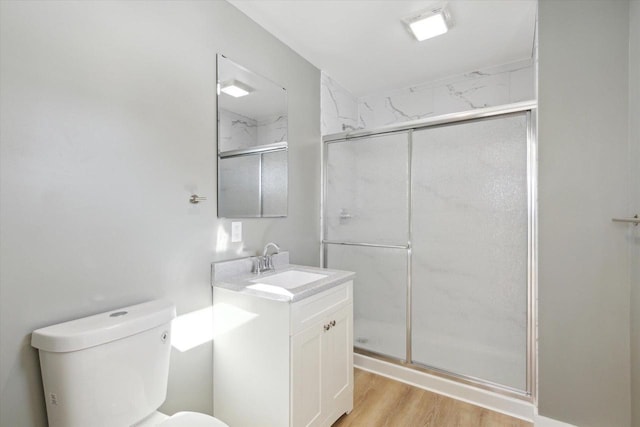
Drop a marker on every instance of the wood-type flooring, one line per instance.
(381, 402)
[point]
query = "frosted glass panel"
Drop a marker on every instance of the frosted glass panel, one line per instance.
(469, 303)
(239, 187)
(366, 199)
(274, 184)
(379, 295)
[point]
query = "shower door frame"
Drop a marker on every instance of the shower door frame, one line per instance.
(529, 108)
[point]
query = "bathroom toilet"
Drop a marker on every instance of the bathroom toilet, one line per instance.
(181, 419)
(111, 369)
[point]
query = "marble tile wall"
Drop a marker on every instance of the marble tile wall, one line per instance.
(272, 129)
(237, 131)
(477, 89)
(339, 108)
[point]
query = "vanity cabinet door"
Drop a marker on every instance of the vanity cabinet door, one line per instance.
(337, 354)
(322, 370)
(306, 377)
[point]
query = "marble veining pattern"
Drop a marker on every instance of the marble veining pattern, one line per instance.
(488, 87)
(272, 129)
(237, 131)
(338, 106)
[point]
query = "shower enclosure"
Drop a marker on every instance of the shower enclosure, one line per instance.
(437, 219)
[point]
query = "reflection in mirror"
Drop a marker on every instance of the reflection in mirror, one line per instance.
(252, 144)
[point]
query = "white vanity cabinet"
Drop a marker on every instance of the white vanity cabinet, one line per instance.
(322, 368)
(284, 363)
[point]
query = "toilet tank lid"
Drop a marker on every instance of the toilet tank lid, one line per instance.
(104, 327)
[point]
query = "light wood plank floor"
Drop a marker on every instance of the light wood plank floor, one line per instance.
(381, 402)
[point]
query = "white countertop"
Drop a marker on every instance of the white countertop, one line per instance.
(245, 282)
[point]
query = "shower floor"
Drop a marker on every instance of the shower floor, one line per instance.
(380, 337)
(483, 362)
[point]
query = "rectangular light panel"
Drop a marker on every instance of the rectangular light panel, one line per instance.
(430, 26)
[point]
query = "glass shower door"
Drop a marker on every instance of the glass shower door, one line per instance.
(470, 249)
(380, 296)
(366, 231)
(367, 190)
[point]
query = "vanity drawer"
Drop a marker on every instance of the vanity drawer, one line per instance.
(310, 310)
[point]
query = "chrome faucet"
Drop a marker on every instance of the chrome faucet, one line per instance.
(270, 245)
(265, 262)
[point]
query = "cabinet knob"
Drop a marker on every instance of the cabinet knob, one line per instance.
(327, 327)
(333, 323)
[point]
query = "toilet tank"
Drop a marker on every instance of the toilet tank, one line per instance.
(110, 369)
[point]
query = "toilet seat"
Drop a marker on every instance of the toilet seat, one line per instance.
(191, 419)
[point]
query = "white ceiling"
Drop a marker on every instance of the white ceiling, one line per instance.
(267, 100)
(363, 45)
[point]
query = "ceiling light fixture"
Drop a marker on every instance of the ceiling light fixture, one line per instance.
(430, 23)
(236, 88)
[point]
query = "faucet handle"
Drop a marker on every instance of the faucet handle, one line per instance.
(258, 264)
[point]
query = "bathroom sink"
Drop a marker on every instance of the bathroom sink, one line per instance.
(290, 279)
(286, 282)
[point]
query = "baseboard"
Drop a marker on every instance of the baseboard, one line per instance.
(541, 421)
(507, 405)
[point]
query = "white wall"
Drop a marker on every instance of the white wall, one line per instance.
(107, 126)
(634, 205)
(584, 355)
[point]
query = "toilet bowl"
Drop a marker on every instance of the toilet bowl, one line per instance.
(181, 419)
(111, 369)
(192, 419)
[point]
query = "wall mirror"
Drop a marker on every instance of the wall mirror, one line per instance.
(252, 144)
